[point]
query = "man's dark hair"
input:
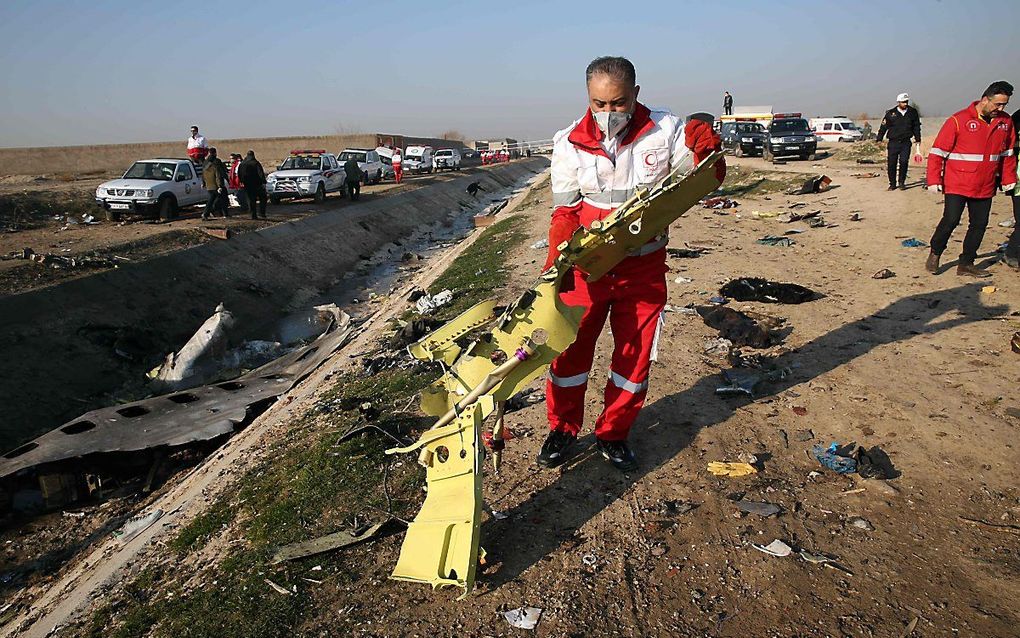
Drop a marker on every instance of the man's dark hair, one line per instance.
(615, 67)
(193, 127)
(1001, 87)
(212, 150)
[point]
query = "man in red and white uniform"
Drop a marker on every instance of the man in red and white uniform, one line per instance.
(198, 148)
(971, 156)
(398, 164)
(597, 163)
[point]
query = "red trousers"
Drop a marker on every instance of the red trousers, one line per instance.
(398, 172)
(633, 304)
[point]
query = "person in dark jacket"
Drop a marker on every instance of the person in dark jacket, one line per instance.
(353, 179)
(727, 103)
(253, 178)
(214, 176)
(900, 124)
(1013, 247)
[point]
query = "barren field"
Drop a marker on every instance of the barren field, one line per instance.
(915, 364)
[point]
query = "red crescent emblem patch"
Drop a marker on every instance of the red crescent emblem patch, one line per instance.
(649, 159)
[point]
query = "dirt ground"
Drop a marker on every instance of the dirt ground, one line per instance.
(917, 364)
(55, 225)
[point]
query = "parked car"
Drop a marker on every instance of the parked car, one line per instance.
(306, 174)
(448, 158)
(789, 135)
(418, 159)
(386, 157)
(368, 161)
(836, 129)
(743, 138)
(163, 186)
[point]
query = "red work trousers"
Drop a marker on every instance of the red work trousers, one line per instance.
(398, 172)
(633, 304)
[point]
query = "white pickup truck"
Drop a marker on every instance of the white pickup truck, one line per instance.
(306, 174)
(161, 185)
(368, 161)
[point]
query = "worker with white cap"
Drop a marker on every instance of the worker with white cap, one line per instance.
(900, 123)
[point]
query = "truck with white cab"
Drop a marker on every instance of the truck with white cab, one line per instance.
(306, 173)
(162, 186)
(418, 159)
(369, 162)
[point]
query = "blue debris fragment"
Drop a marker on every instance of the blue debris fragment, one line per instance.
(913, 242)
(828, 457)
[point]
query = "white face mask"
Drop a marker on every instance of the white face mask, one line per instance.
(611, 123)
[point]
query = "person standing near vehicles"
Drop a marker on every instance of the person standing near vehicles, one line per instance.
(234, 182)
(353, 177)
(253, 177)
(398, 164)
(727, 103)
(972, 154)
(900, 123)
(198, 148)
(1013, 247)
(214, 176)
(598, 162)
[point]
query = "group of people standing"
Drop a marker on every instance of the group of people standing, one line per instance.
(244, 178)
(494, 157)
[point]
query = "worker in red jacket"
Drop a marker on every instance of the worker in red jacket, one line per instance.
(971, 156)
(598, 162)
(397, 161)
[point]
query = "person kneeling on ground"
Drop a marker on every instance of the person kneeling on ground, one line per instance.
(618, 146)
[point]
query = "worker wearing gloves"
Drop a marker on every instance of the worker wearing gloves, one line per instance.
(597, 164)
(900, 123)
(972, 154)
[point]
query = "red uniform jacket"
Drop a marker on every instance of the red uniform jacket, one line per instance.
(970, 156)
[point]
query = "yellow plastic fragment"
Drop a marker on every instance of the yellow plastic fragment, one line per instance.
(720, 468)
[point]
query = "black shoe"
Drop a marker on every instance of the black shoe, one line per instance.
(554, 450)
(903, 187)
(892, 187)
(618, 454)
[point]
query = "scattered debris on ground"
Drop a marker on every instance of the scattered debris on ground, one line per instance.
(758, 289)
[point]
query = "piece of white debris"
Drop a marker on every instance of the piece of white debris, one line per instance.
(775, 548)
(523, 617)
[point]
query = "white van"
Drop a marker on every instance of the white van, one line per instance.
(418, 159)
(836, 129)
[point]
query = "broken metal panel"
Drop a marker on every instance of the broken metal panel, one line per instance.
(180, 418)
(441, 545)
(326, 543)
(514, 350)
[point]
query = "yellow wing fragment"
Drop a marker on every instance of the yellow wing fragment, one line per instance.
(509, 352)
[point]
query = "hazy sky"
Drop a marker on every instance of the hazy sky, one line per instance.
(110, 72)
